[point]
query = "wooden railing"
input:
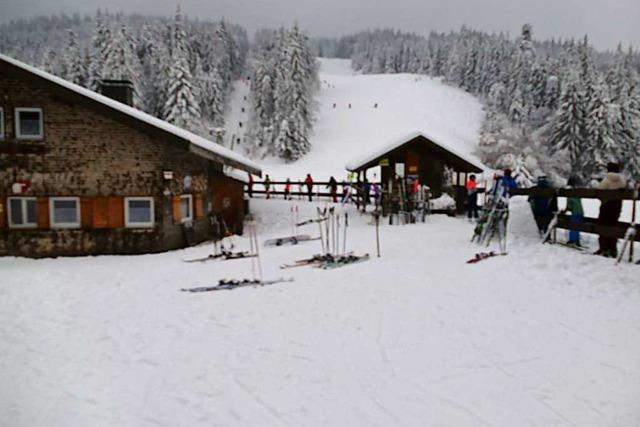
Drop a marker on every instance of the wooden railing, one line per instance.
(589, 225)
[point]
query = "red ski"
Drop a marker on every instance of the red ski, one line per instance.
(483, 255)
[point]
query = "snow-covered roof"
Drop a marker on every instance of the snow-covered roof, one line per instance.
(197, 144)
(236, 174)
(398, 142)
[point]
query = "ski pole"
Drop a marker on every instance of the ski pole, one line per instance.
(378, 234)
(344, 240)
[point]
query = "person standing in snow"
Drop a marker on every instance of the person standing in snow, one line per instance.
(267, 186)
(472, 197)
(309, 183)
(507, 182)
(610, 209)
(287, 190)
(250, 186)
(574, 205)
(543, 207)
(366, 190)
(377, 193)
(333, 189)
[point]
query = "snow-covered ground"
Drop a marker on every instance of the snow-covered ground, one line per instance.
(544, 337)
(405, 103)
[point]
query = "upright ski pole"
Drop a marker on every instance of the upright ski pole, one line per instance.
(344, 240)
(378, 233)
(255, 238)
(337, 234)
(252, 249)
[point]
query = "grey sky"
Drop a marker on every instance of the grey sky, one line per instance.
(606, 21)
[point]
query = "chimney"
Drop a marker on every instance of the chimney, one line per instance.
(120, 90)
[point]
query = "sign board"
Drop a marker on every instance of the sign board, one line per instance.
(383, 162)
(413, 169)
(400, 169)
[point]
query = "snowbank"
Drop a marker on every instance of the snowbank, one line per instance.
(545, 336)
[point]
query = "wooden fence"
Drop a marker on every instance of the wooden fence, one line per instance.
(588, 225)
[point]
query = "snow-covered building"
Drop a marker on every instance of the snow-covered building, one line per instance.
(419, 155)
(82, 173)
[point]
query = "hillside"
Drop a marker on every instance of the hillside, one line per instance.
(406, 103)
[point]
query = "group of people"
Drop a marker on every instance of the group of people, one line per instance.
(545, 206)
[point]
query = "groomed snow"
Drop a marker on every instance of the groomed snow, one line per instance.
(406, 103)
(194, 139)
(543, 337)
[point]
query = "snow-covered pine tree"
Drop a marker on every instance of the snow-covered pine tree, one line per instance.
(181, 107)
(599, 129)
(568, 132)
(97, 52)
(121, 63)
(74, 61)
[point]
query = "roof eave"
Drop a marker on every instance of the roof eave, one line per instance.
(202, 152)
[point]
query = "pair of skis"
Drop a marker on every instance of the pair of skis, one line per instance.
(328, 261)
(222, 256)
(227, 285)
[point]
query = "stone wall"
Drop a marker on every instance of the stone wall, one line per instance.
(85, 152)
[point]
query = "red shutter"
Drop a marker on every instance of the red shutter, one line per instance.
(175, 208)
(43, 212)
(199, 206)
(116, 212)
(86, 212)
(100, 212)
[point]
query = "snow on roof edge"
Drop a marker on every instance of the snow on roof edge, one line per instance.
(397, 142)
(137, 114)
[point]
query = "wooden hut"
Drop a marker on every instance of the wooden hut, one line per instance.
(419, 156)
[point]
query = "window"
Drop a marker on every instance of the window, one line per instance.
(22, 212)
(186, 207)
(29, 123)
(138, 212)
(1, 124)
(64, 212)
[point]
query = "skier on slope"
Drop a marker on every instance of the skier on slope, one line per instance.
(610, 209)
(472, 197)
(308, 181)
(543, 207)
(333, 189)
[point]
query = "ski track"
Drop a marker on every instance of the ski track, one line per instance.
(543, 337)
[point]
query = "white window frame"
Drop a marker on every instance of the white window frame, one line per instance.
(16, 118)
(190, 217)
(1, 124)
(64, 224)
(24, 211)
(131, 224)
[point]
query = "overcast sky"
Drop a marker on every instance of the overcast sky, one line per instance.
(605, 21)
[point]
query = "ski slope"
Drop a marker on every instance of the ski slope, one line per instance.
(406, 103)
(545, 336)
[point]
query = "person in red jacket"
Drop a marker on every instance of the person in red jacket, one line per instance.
(309, 183)
(287, 190)
(472, 197)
